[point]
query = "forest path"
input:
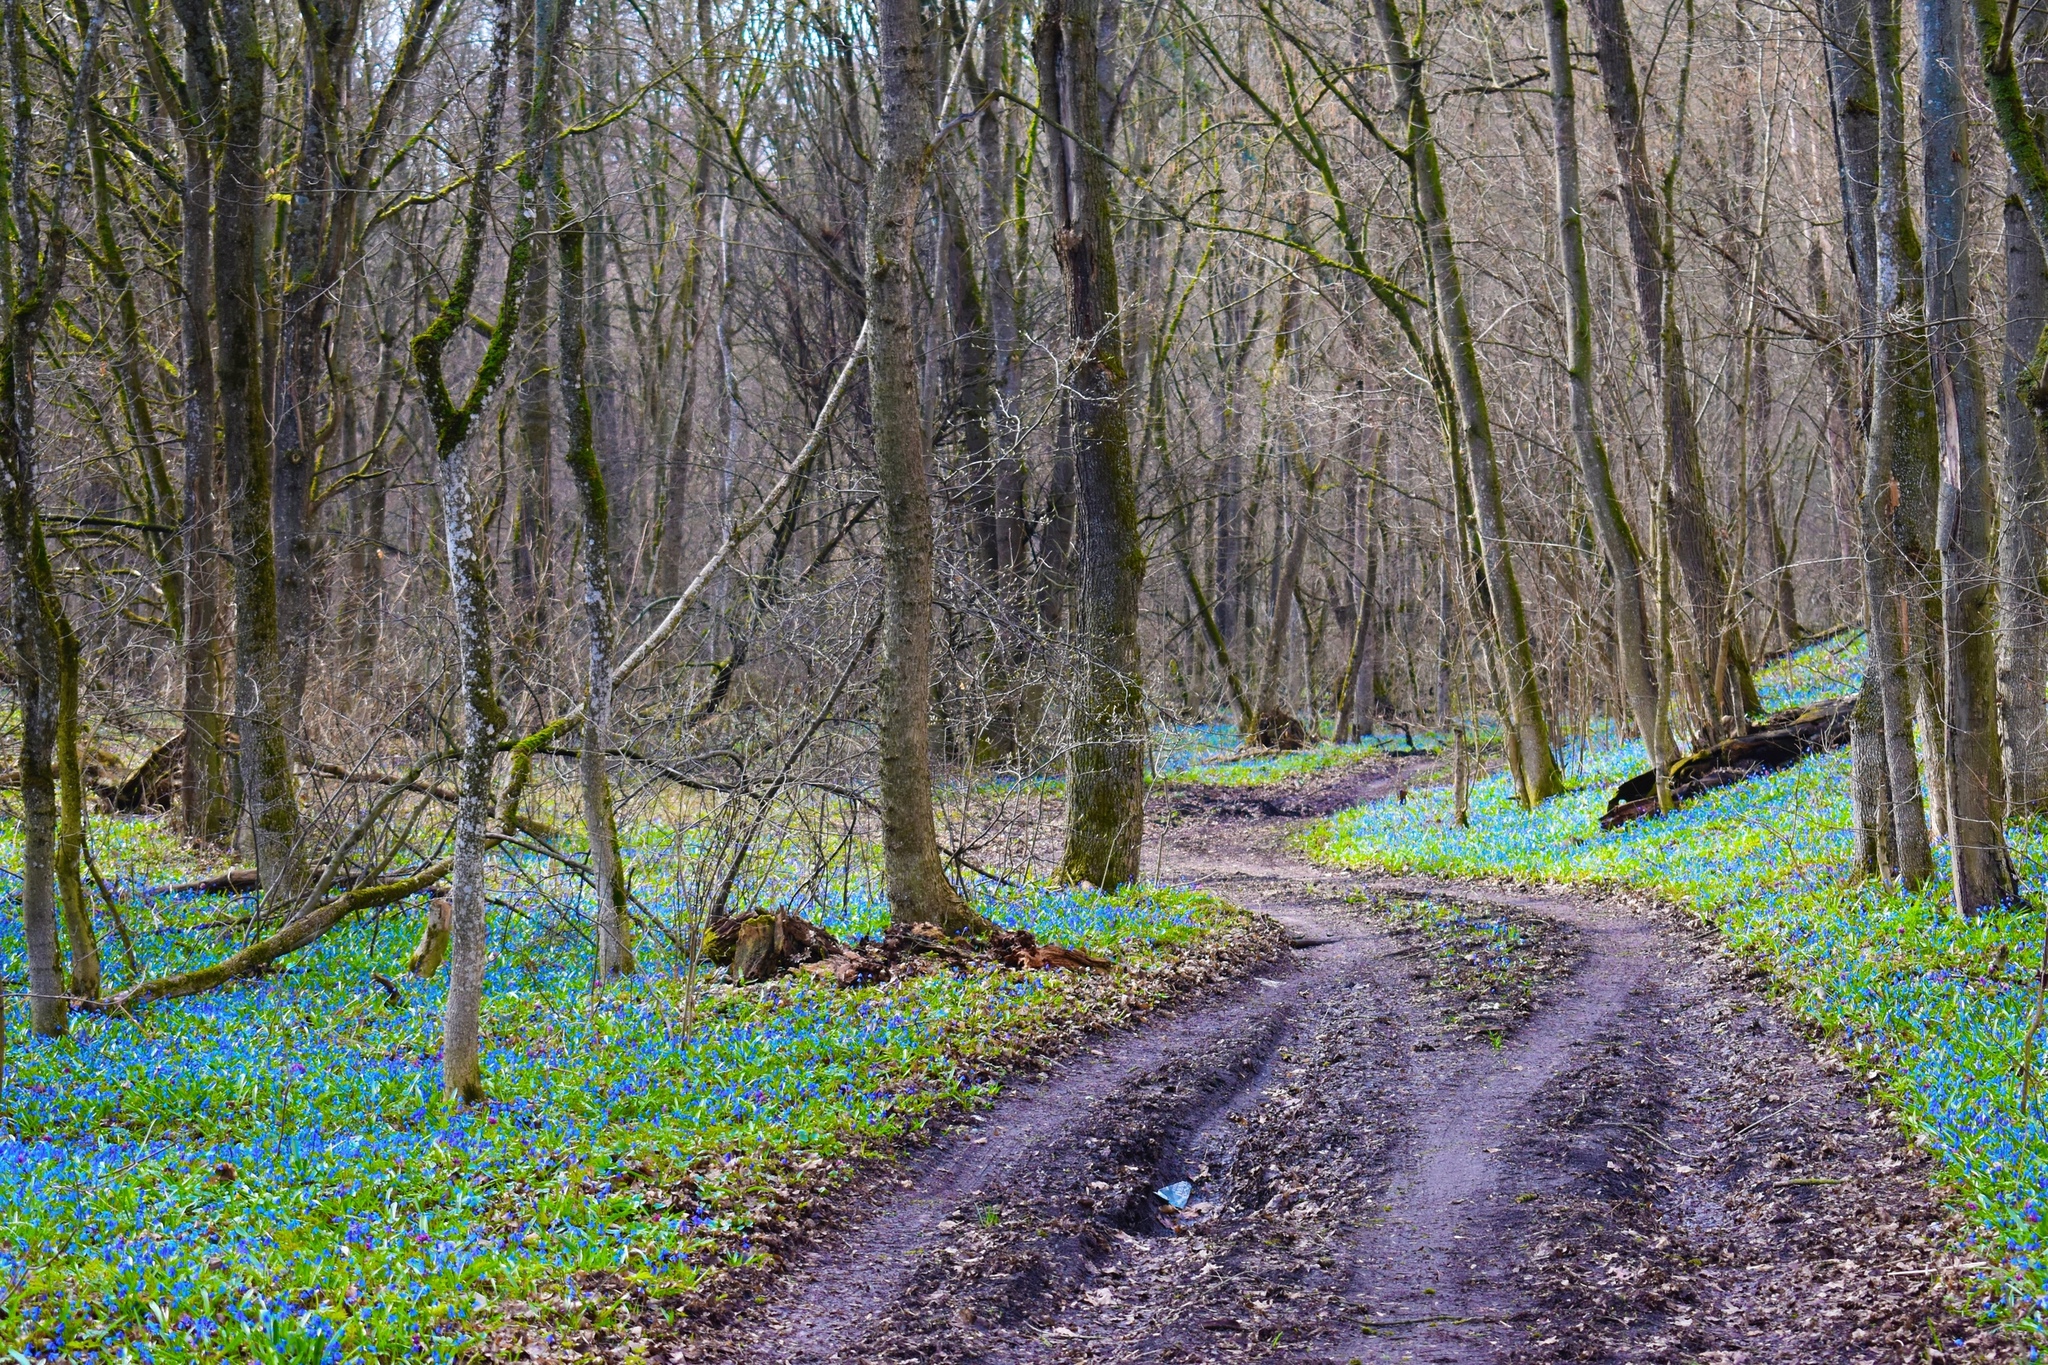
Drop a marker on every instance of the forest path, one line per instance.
(1610, 1149)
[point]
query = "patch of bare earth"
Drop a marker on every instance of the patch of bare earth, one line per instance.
(1618, 1151)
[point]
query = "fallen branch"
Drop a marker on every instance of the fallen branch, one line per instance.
(263, 952)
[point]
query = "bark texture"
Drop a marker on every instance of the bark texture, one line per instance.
(1975, 769)
(1722, 658)
(915, 877)
(1105, 759)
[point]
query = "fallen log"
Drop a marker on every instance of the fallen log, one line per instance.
(234, 879)
(1778, 741)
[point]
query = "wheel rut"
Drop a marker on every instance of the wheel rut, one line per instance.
(1648, 1164)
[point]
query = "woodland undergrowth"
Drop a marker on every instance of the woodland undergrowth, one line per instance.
(267, 1172)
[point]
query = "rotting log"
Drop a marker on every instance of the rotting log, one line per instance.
(1779, 741)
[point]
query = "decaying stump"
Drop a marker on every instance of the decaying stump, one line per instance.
(1778, 741)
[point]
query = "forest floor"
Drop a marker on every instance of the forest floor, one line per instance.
(1451, 1122)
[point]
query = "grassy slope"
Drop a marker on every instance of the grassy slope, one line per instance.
(1936, 1007)
(268, 1173)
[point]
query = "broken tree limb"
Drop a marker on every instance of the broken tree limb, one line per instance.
(1778, 741)
(263, 952)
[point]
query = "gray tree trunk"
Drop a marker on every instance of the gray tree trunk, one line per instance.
(1724, 672)
(2023, 476)
(913, 873)
(1618, 542)
(1975, 770)
(1896, 425)
(269, 789)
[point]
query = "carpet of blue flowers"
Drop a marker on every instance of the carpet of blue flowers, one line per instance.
(268, 1173)
(1938, 1007)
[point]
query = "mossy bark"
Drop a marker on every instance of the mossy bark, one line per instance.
(1538, 776)
(1106, 751)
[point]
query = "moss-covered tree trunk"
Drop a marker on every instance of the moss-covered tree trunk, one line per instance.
(1106, 751)
(2023, 490)
(1723, 663)
(203, 783)
(1633, 648)
(32, 260)
(241, 193)
(608, 889)
(1537, 774)
(1897, 430)
(483, 716)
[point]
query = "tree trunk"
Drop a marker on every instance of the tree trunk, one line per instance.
(916, 879)
(269, 790)
(1538, 773)
(483, 717)
(2023, 482)
(1975, 771)
(1618, 542)
(320, 245)
(1106, 756)
(1896, 426)
(370, 500)
(534, 458)
(608, 889)
(46, 651)
(1723, 660)
(1274, 726)
(203, 789)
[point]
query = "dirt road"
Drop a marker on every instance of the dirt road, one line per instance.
(1515, 1127)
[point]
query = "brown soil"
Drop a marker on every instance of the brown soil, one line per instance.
(1611, 1147)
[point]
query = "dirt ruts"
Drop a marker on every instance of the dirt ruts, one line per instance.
(1631, 1157)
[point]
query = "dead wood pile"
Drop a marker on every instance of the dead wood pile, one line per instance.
(760, 947)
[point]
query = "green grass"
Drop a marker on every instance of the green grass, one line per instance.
(1937, 1007)
(268, 1173)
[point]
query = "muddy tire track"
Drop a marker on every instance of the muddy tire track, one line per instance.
(1652, 1165)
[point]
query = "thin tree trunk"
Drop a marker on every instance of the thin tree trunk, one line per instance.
(1105, 760)
(1975, 770)
(534, 445)
(203, 786)
(1617, 539)
(483, 716)
(1895, 425)
(1694, 545)
(32, 261)
(1272, 724)
(320, 245)
(1538, 773)
(614, 936)
(915, 877)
